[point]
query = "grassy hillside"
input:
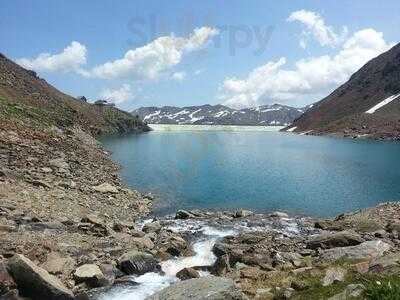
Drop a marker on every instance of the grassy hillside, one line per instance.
(28, 99)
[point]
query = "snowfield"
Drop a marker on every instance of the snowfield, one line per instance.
(382, 104)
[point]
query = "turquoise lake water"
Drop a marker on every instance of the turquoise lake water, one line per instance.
(258, 170)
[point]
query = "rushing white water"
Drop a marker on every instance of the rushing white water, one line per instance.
(150, 283)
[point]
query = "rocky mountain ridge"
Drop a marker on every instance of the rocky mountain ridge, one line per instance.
(368, 105)
(266, 115)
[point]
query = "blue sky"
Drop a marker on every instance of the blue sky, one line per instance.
(243, 53)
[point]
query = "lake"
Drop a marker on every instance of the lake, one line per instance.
(256, 168)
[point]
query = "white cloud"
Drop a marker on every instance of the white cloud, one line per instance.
(179, 76)
(309, 77)
(70, 59)
(118, 95)
(316, 26)
(149, 61)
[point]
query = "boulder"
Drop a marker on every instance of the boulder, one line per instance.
(366, 250)
(136, 233)
(56, 264)
(328, 225)
(172, 244)
(388, 264)
(183, 214)
(36, 282)
(138, 263)
(187, 273)
(242, 213)
(59, 163)
(333, 275)
(205, 288)
(221, 265)
(91, 275)
(110, 273)
(143, 243)
(123, 226)
(152, 227)
(92, 219)
(351, 291)
(337, 239)
(278, 214)
(106, 188)
(6, 281)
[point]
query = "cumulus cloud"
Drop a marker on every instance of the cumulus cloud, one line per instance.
(72, 58)
(316, 26)
(179, 76)
(149, 61)
(309, 77)
(118, 95)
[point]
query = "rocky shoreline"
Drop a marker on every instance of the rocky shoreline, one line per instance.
(69, 229)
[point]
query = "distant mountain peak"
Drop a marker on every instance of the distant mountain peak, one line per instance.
(268, 115)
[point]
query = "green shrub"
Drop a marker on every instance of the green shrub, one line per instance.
(387, 289)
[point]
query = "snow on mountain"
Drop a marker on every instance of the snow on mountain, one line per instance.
(268, 115)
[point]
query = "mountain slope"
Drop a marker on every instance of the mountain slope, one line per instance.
(26, 98)
(348, 110)
(219, 115)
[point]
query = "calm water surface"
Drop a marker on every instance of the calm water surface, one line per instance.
(258, 170)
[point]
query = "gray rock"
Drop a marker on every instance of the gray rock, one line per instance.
(105, 188)
(56, 264)
(222, 266)
(332, 275)
(137, 263)
(328, 225)
(351, 291)
(91, 275)
(36, 282)
(278, 214)
(388, 264)
(242, 213)
(337, 239)
(6, 281)
(366, 250)
(152, 227)
(59, 163)
(183, 214)
(109, 272)
(205, 288)
(187, 273)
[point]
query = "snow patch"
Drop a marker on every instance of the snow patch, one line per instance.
(221, 113)
(271, 109)
(291, 129)
(381, 104)
(151, 115)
